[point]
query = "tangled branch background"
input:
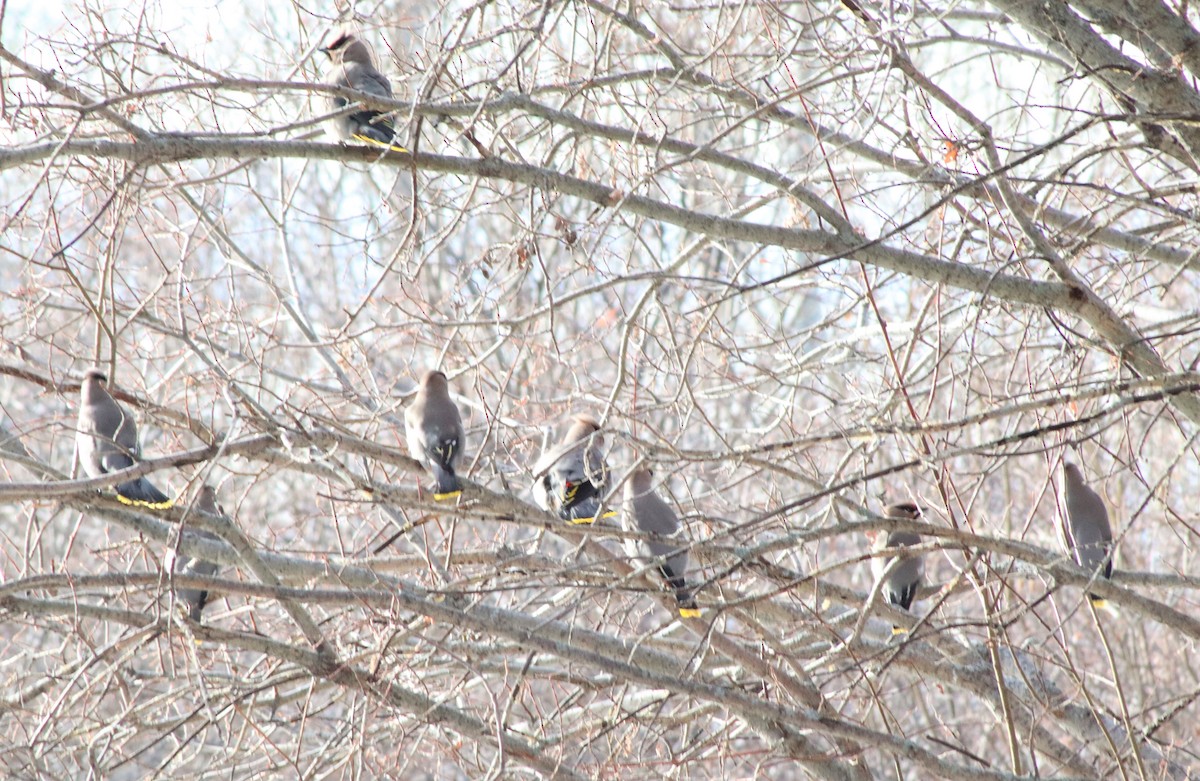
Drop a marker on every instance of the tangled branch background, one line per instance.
(804, 260)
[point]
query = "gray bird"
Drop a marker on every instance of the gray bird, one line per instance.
(106, 441)
(435, 434)
(571, 475)
(646, 512)
(194, 598)
(354, 68)
(1085, 529)
(905, 579)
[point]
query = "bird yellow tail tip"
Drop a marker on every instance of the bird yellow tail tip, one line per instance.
(376, 142)
(609, 514)
(689, 612)
(899, 630)
(1099, 604)
(447, 495)
(581, 521)
(167, 505)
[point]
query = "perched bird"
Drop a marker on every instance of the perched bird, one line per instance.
(571, 475)
(354, 68)
(906, 577)
(106, 441)
(435, 433)
(646, 512)
(1085, 529)
(195, 598)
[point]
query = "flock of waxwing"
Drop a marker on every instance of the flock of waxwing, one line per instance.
(570, 479)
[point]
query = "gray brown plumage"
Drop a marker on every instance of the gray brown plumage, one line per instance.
(572, 475)
(195, 599)
(646, 512)
(1085, 527)
(905, 578)
(434, 432)
(355, 69)
(106, 440)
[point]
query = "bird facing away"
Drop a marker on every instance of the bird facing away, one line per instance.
(434, 432)
(354, 69)
(572, 474)
(646, 512)
(106, 441)
(194, 598)
(905, 579)
(1085, 527)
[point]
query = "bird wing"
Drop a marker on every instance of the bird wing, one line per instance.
(443, 447)
(655, 516)
(365, 78)
(126, 435)
(904, 581)
(1103, 525)
(1087, 528)
(107, 438)
(123, 450)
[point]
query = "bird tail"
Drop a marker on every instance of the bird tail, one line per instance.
(1098, 602)
(447, 482)
(193, 600)
(684, 597)
(579, 514)
(142, 493)
(197, 606)
(586, 515)
(376, 142)
(899, 630)
(581, 503)
(379, 133)
(577, 509)
(902, 599)
(687, 605)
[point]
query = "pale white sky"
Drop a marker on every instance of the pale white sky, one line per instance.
(196, 27)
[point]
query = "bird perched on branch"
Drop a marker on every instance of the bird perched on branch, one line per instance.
(905, 578)
(106, 441)
(355, 69)
(646, 512)
(194, 598)
(434, 432)
(1086, 531)
(569, 478)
